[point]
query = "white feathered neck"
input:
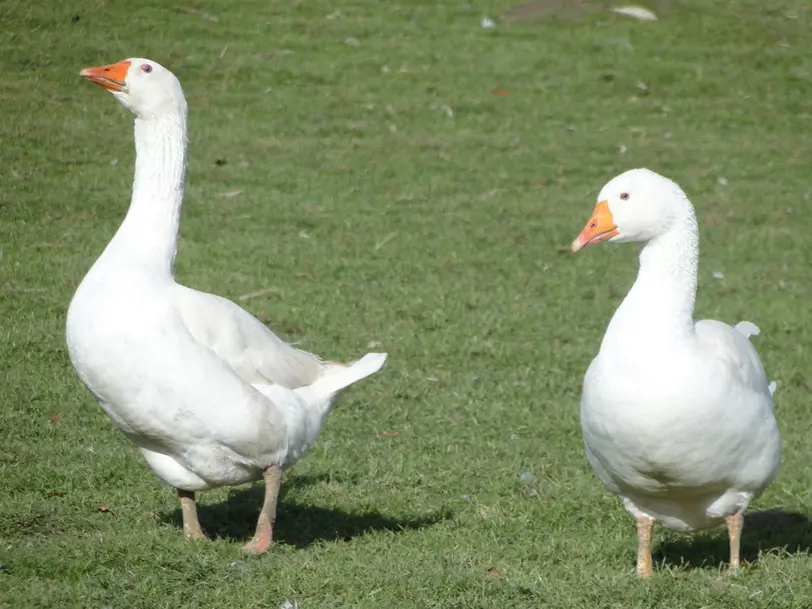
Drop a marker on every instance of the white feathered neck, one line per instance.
(148, 236)
(661, 301)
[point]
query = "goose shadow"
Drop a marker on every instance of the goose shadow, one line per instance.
(297, 524)
(763, 531)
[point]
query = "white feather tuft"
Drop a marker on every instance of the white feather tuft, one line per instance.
(638, 12)
(747, 328)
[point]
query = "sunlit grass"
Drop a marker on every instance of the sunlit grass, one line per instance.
(403, 178)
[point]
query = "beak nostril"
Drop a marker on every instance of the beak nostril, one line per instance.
(593, 225)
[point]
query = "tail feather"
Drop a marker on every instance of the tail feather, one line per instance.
(338, 377)
(747, 328)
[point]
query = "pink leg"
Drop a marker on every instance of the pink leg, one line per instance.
(263, 538)
(191, 525)
(645, 525)
(734, 531)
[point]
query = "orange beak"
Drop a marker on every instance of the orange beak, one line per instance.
(112, 77)
(601, 227)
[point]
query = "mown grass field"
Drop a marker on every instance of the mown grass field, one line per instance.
(394, 175)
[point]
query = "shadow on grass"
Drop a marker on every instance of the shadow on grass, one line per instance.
(763, 531)
(298, 525)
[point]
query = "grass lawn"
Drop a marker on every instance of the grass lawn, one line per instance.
(395, 177)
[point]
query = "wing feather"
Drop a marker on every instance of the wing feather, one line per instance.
(254, 352)
(732, 348)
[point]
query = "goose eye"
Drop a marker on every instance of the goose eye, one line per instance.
(146, 68)
(624, 196)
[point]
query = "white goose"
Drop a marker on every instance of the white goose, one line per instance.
(677, 415)
(209, 395)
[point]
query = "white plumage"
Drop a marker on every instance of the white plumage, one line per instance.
(677, 415)
(209, 394)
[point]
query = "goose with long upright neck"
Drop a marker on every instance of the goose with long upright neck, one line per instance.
(677, 416)
(209, 394)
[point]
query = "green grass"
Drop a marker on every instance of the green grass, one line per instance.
(411, 207)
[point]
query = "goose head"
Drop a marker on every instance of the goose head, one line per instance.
(637, 205)
(144, 87)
